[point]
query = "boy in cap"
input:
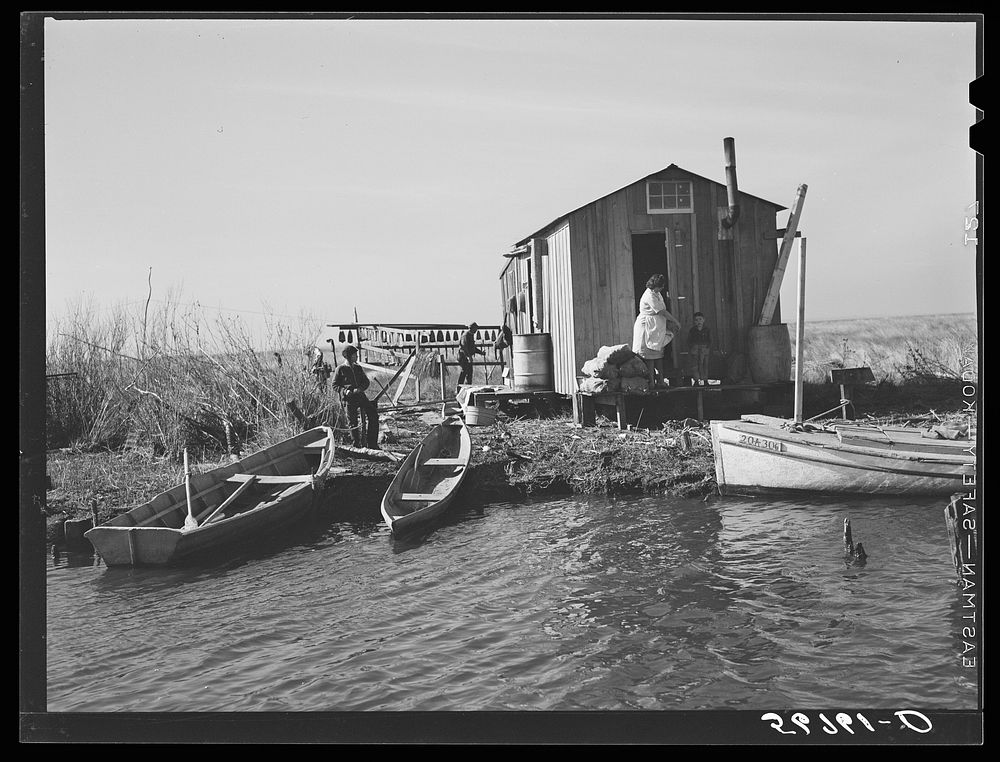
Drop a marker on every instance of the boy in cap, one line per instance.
(352, 382)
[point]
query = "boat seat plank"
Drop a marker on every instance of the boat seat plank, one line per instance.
(420, 496)
(292, 479)
(444, 462)
(319, 444)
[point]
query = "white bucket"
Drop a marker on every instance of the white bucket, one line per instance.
(480, 416)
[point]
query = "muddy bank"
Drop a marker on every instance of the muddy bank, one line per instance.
(510, 460)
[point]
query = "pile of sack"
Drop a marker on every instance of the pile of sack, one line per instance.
(615, 368)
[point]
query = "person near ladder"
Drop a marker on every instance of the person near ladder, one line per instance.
(467, 350)
(351, 381)
(321, 370)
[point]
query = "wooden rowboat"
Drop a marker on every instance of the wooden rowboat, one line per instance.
(429, 477)
(252, 497)
(758, 457)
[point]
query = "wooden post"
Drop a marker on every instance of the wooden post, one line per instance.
(685, 440)
(843, 396)
(416, 378)
(848, 537)
(963, 543)
(855, 554)
(695, 264)
(621, 412)
(774, 290)
(440, 357)
(673, 285)
(800, 327)
(538, 246)
(588, 414)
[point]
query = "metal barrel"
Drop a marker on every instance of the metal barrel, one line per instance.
(532, 360)
(770, 353)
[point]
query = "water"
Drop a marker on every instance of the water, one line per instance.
(592, 604)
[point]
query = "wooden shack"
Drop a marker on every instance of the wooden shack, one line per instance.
(580, 277)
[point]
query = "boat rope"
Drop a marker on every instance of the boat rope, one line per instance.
(843, 403)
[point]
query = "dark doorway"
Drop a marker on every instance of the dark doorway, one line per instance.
(649, 257)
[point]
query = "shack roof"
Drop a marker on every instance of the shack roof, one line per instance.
(777, 207)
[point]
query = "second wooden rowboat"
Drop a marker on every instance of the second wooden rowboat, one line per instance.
(429, 477)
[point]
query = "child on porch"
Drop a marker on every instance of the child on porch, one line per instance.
(700, 346)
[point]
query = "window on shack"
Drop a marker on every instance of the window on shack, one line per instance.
(668, 197)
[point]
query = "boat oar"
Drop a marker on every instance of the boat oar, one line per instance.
(189, 522)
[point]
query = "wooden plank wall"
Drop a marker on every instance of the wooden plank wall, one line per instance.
(601, 247)
(595, 247)
(767, 256)
(512, 281)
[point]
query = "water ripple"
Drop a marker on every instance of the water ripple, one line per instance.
(564, 604)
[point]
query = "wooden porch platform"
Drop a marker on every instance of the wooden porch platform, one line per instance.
(504, 396)
(585, 403)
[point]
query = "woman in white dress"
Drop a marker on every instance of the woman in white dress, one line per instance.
(654, 329)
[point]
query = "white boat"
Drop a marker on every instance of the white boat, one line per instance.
(759, 456)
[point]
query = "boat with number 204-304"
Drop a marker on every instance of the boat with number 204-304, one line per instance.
(250, 498)
(773, 456)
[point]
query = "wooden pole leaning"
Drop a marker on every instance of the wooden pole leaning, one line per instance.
(774, 289)
(232, 498)
(189, 521)
(402, 367)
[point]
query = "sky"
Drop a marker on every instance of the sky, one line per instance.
(321, 166)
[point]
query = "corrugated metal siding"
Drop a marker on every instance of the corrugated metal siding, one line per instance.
(557, 294)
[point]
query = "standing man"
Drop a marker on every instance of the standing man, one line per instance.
(352, 382)
(467, 349)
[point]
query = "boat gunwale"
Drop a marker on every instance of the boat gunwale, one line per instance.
(222, 473)
(390, 504)
(798, 438)
(848, 464)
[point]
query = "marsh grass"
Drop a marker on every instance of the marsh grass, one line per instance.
(899, 350)
(149, 385)
(163, 381)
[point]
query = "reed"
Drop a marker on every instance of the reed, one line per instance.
(166, 379)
